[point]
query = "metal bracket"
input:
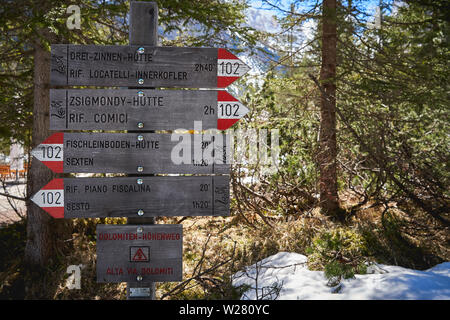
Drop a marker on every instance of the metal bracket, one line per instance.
(139, 292)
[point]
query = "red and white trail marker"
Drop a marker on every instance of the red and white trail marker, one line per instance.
(51, 198)
(171, 67)
(229, 68)
(51, 152)
(229, 110)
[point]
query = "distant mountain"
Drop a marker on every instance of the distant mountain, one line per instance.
(262, 20)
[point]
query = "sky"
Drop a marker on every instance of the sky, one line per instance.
(262, 12)
(261, 16)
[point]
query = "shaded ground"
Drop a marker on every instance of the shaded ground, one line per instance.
(214, 248)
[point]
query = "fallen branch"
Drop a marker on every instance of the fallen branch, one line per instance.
(182, 286)
(13, 197)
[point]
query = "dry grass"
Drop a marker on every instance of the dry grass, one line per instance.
(214, 248)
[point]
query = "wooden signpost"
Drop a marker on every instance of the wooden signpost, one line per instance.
(140, 252)
(142, 109)
(134, 153)
(143, 31)
(135, 196)
(144, 66)
(148, 253)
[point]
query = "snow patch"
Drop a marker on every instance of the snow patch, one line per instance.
(285, 276)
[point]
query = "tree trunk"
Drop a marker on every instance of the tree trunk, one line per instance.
(329, 201)
(44, 234)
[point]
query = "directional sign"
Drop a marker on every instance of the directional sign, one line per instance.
(129, 253)
(135, 197)
(100, 109)
(135, 153)
(144, 66)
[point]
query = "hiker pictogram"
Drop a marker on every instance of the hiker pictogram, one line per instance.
(139, 254)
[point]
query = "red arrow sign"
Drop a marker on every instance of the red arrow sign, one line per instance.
(50, 152)
(229, 110)
(51, 198)
(229, 68)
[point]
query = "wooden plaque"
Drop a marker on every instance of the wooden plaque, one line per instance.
(143, 66)
(142, 109)
(139, 253)
(146, 153)
(135, 197)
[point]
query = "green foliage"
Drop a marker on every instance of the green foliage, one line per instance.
(206, 23)
(23, 25)
(284, 104)
(393, 104)
(340, 252)
(335, 271)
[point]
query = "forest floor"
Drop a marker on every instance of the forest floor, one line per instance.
(216, 248)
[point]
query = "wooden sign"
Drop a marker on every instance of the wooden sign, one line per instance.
(106, 109)
(150, 153)
(139, 253)
(144, 66)
(135, 197)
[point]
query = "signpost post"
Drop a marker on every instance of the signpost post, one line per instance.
(143, 31)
